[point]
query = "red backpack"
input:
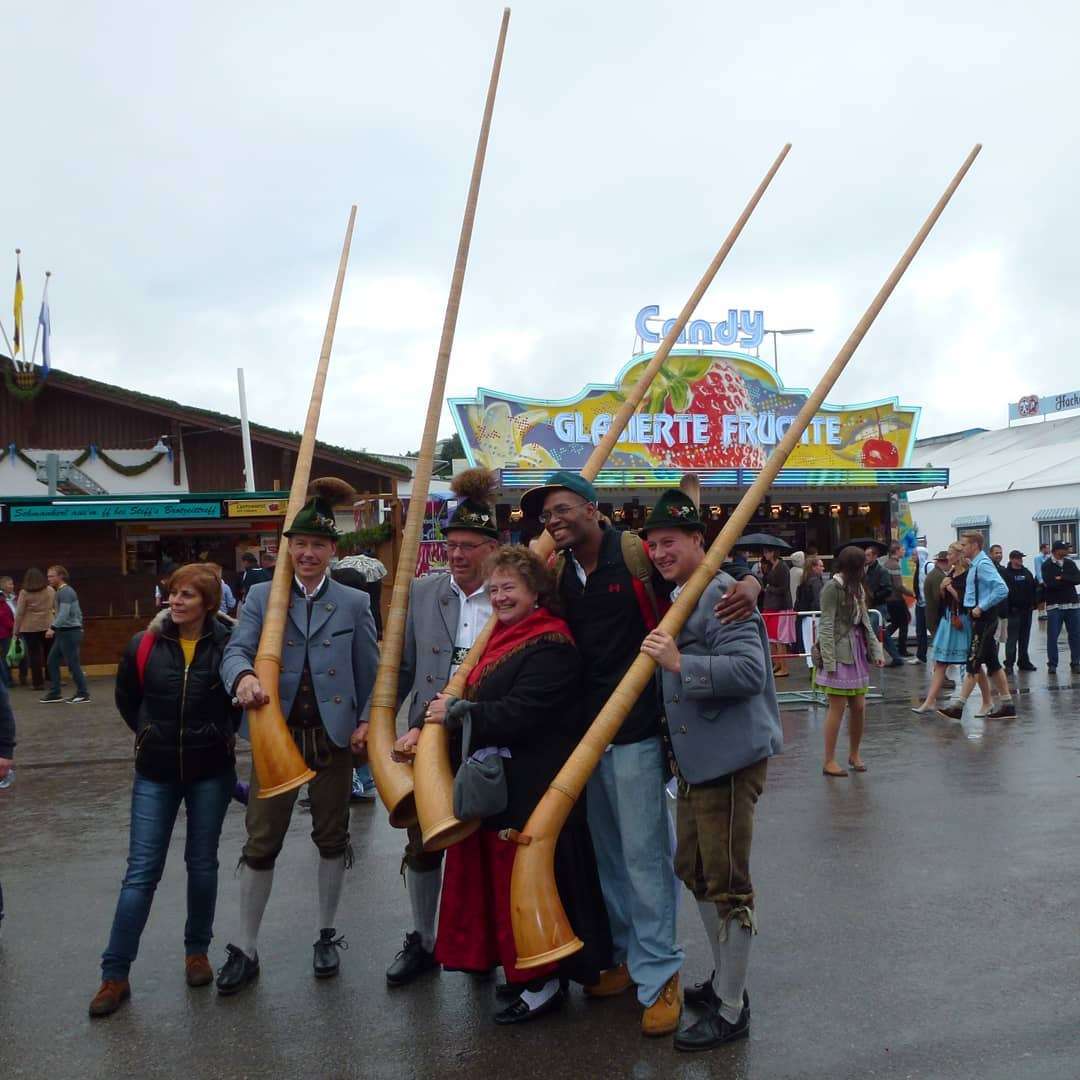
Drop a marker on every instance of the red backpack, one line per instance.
(142, 655)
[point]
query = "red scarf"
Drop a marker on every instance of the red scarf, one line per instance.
(506, 639)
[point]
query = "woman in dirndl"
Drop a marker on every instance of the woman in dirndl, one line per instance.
(846, 646)
(523, 702)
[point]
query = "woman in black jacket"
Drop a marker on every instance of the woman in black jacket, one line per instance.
(524, 703)
(169, 692)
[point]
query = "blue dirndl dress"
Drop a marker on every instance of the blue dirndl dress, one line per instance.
(952, 645)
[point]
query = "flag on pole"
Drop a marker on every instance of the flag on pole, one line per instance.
(46, 331)
(17, 343)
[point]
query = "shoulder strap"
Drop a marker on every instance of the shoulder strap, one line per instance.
(636, 557)
(142, 654)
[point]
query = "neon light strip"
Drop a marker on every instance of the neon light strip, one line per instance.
(661, 478)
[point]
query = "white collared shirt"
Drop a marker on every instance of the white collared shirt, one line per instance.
(314, 592)
(473, 614)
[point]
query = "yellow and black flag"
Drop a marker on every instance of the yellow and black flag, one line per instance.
(17, 343)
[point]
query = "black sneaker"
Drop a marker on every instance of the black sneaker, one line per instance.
(327, 961)
(713, 1030)
(1002, 711)
(1052, 668)
(50, 698)
(952, 712)
(412, 961)
(78, 699)
(1024, 665)
(239, 970)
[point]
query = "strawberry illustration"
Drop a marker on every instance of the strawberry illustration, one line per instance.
(707, 386)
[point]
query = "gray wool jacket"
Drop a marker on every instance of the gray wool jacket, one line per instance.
(721, 708)
(339, 642)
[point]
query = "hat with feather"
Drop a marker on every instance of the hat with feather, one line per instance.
(316, 516)
(475, 511)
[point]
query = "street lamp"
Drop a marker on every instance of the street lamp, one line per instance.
(799, 330)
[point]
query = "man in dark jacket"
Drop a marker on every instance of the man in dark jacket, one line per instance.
(7, 750)
(607, 607)
(1021, 604)
(1060, 578)
(879, 586)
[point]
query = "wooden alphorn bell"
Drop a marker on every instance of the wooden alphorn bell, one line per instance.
(434, 778)
(278, 763)
(394, 779)
(542, 932)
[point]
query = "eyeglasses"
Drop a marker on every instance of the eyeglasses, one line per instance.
(458, 545)
(561, 511)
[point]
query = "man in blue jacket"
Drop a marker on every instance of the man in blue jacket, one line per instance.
(724, 725)
(985, 591)
(327, 673)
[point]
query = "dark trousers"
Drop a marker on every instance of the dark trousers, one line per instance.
(154, 806)
(35, 655)
(887, 641)
(5, 671)
(65, 647)
(922, 637)
(1054, 618)
(1019, 634)
(899, 620)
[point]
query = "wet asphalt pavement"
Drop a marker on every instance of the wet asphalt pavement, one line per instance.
(921, 920)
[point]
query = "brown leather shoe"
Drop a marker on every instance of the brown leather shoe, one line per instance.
(614, 981)
(197, 970)
(662, 1016)
(112, 994)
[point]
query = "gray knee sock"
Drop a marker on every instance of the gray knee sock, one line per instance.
(423, 887)
(710, 919)
(255, 888)
(331, 878)
(731, 974)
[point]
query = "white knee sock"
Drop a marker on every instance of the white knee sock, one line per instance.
(710, 919)
(423, 887)
(731, 973)
(535, 998)
(331, 878)
(255, 888)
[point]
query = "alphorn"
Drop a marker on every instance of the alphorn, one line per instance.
(278, 763)
(394, 779)
(434, 779)
(542, 932)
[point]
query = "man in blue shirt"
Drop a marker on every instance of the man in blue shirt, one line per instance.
(985, 590)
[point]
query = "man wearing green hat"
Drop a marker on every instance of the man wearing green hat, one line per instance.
(328, 667)
(612, 596)
(724, 725)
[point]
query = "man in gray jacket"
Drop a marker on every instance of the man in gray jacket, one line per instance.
(66, 634)
(446, 614)
(327, 673)
(724, 724)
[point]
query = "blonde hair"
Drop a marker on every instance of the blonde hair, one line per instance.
(975, 538)
(962, 561)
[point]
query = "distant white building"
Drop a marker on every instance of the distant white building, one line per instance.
(1019, 486)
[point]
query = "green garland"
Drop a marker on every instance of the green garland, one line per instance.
(17, 391)
(78, 462)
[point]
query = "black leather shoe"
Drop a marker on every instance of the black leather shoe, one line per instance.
(713, 1030)
(1026, 665)
(326, 948)
(517, 1012)
(703, 995)
(411, 962)
(239, 970)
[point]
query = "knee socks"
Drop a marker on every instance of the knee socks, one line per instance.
(732, 963)
(331, 878)
(423, 887)
(710, 919)
(255, 888)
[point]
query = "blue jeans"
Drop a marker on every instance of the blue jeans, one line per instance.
(631, 832)
(1054, 618)
(66, 643)
(154, 807)
(5, 671)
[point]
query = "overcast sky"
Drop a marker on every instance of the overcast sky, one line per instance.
(186, 173)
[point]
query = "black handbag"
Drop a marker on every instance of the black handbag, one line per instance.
(479, 786)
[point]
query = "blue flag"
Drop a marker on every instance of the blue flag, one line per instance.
(46, 331)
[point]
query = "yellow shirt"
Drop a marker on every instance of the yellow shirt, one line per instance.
(188, 645)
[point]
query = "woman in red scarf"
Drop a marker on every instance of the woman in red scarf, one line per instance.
(524, 702)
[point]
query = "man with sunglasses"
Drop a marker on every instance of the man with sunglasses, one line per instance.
(446, 613)
(613, 597)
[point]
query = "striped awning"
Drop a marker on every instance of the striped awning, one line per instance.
(1058, 513)
(973, 521)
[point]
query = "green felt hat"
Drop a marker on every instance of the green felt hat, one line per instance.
(673, 510)
(475, 488)
(316, 516)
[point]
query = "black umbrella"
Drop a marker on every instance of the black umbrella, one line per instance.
(864, 542)
(762, 540)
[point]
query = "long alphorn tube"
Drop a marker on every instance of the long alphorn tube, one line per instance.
(434, 780)
(395, 779)
(279, 765)
(542, 933)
